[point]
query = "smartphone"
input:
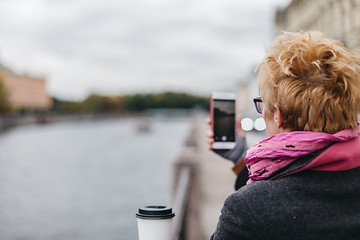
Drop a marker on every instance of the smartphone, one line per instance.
(222, 105)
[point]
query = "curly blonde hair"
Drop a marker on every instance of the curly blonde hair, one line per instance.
(314, 81)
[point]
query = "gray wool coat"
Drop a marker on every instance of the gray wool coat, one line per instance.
(309, 205)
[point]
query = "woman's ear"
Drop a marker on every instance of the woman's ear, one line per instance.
(278, 117)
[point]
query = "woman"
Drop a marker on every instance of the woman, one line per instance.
(304, 179)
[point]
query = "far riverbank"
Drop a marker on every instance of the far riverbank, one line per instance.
(8, 122)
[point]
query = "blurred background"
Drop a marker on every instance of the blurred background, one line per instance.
(97, 97)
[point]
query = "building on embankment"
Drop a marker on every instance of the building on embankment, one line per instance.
(25, 91)
(338, 19)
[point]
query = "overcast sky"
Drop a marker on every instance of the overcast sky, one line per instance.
(116, 47)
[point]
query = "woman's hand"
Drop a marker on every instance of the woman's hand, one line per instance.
(209, 135)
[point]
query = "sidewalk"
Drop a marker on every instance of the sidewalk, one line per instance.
(216, 178)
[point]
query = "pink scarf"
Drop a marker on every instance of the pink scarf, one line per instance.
(276, 152)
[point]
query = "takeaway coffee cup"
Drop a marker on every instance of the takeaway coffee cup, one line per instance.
(155, 222)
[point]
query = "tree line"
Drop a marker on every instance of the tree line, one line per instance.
(110, 104)
(130, 103)
(97, 104)
(5, 105)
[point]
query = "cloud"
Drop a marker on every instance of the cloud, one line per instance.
(116, 47)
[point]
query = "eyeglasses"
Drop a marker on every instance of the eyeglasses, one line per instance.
(259, 104)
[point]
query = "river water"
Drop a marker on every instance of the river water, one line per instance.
(85, 179)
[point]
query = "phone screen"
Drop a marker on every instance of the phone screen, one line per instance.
(224, 120)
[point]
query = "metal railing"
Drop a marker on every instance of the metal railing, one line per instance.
(186, 167)
(181, 199)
